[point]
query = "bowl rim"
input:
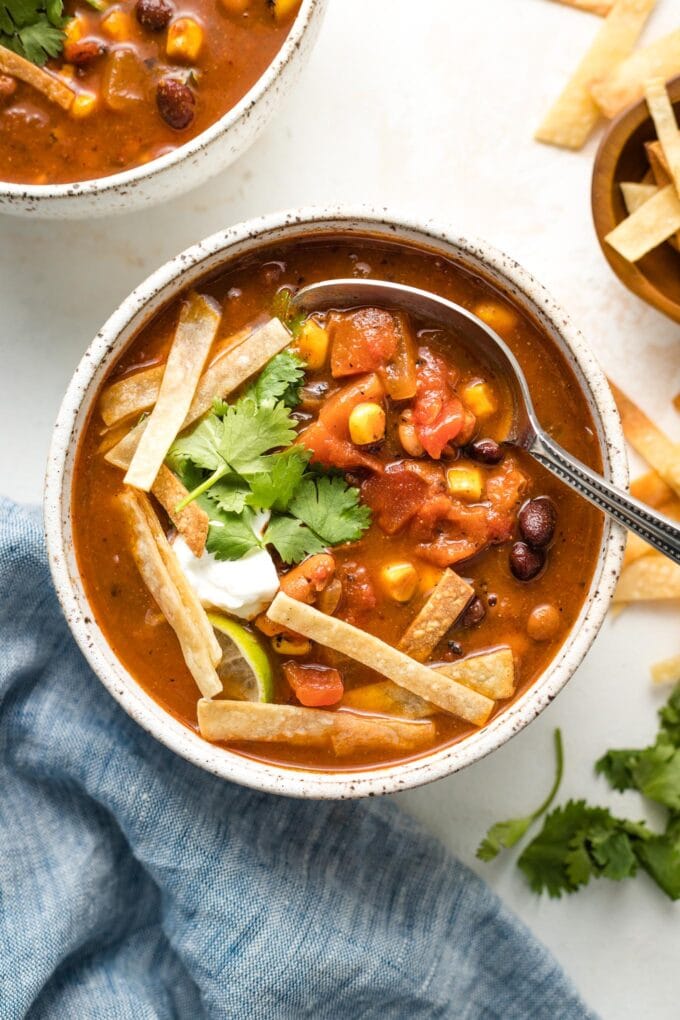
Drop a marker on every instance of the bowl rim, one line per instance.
(95, 186)
(126, 320)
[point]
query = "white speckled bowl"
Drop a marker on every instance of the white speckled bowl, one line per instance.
(191, 164)
(155, 292)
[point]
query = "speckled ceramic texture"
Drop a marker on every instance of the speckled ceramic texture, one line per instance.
(123, 325)
(191, 164)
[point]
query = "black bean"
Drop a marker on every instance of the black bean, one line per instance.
(525, 562)
(537, 520)
(474, 614)
(153, 14)
(175, 102)
(487, 451)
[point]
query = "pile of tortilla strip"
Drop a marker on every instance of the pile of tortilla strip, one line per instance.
(647, 575)
(143, 413)
(612, 74)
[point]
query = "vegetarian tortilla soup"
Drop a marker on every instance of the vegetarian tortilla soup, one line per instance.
(126, 81)
(301, 534)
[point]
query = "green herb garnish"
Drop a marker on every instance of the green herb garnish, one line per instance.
(33, 28)
(241, 459)
(579, 841)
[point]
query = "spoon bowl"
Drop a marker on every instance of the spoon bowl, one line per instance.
(525, 430)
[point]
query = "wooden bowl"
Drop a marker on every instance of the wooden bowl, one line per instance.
(621, 157)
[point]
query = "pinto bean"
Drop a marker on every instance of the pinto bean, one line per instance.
(83, 52)
(525, 562)
(544, 622)
(153, 14)
(310, 577)
(175, 102)
(474, 614)
(537, 520)
(486, 451)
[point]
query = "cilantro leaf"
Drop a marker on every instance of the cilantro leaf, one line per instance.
(292, 539)
(280, 379)
(660, 857)
(670, 717)
(249, 430)
(330, 507)
(230, 494)
(654, 771)
(507, 834)
(33, 28)
(273, 487)
(200, 446)
(232, 536)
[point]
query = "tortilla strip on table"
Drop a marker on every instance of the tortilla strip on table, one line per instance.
(194, 336)
(648, 227)
(342, 637)
(651, 489)
(51, 86)
(667, 671)
(575, 113)
(192, 522)
(623, 85)
(648, 579)
(601, 7)
(131, 396)
(449, 598)
(636, 546)
(156, 574)
(248, 720)
(491, 673)
(648, 440)
(224, 376)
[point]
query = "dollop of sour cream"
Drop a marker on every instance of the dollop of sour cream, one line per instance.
(242, 587)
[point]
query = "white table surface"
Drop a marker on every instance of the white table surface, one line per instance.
(427, 108)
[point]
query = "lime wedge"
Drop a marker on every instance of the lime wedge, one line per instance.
(245, 670)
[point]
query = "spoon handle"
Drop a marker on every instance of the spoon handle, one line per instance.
(653, 527)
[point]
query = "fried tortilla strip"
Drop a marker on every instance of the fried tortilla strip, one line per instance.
(192, 522)
(635, 195)
(663, 115)
(131, 396)
(196, 329)
(648, 579)
(153, 568)
(388, 698)
(179, 579)
(448, 600)
(658, 164)
(601, 7)
(249, 720)
(56, 90)
(667, 671)
(492, 673)
(575, 114)
(648, 440)
(623, 85)
(224, 376)
(342, 637)
(648, 227)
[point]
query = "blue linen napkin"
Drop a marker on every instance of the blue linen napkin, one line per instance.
(135, 886)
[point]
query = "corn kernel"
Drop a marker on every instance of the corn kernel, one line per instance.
(117, 24)
(284, 8)
(312, 345)
(399, 581)
(83, 105)
(286, 645)
(465, 482)
(499, 317)
(74, 30)
(185, 39)
(479, 398)
(367, 424)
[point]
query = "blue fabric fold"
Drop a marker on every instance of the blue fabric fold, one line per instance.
(135, 886)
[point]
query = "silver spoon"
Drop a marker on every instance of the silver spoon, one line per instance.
(525, 430)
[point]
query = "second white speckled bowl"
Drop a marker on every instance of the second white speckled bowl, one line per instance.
(156, 291)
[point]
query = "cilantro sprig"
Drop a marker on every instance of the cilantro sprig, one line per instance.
(580, 841)
(240, 461)
(33, 28)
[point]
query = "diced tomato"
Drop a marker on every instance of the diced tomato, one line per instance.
(357, 590)
(361, 341)
(328, 437)
(438, 414)
(395, 495)
(314, 686)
